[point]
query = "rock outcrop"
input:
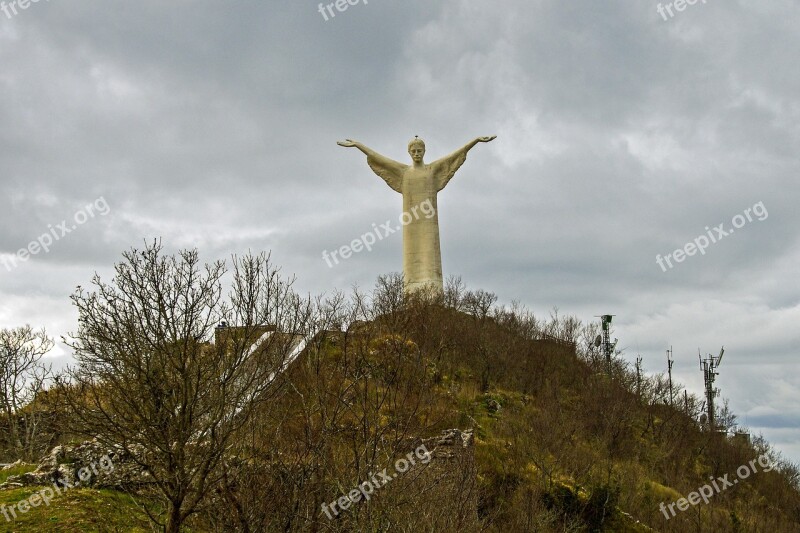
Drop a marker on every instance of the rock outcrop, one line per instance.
(88, 464)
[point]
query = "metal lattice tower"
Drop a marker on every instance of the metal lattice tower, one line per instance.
(670, 362)
(608, 347)
(709, 367)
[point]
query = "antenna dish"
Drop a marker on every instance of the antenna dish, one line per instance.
(598, 340)
(703, 418)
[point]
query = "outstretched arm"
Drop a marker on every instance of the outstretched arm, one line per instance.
(369, 152)
(470, 145)
(388, 169)
(466, 148)
(446, 167)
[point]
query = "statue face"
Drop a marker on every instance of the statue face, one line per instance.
(417, 153)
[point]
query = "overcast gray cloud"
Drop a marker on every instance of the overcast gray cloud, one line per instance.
(622, 136)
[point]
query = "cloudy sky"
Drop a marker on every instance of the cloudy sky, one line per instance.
(622, 135)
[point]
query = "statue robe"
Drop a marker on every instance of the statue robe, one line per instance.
(422, 255)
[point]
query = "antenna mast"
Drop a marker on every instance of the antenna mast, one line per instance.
(709, 367)
(638, 375)
(605, 339)
(670, 362)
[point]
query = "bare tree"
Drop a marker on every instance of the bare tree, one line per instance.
(22, 377)
(149, 379)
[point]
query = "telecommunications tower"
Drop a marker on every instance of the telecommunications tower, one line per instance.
(709, 367)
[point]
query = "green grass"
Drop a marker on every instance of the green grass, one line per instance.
(15, 471)
(74, 510)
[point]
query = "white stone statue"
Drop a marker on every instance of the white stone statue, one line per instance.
(419, 183)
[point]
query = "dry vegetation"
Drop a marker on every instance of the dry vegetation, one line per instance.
(253, 441)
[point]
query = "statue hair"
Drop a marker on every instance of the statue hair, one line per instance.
(416, 141)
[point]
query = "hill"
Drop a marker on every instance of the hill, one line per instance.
(455, 413)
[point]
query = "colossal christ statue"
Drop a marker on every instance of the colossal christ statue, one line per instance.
(419, 183)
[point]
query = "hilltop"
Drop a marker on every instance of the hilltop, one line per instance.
(481, 417)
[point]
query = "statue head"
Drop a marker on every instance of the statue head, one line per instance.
(416, 149)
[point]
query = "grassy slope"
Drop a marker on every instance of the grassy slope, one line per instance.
(75, 510)
(510, 442)
(15, 471)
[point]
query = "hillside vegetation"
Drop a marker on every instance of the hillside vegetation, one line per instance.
(555, 439)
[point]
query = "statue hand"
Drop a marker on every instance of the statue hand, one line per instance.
(347, 143)
(487, 139)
